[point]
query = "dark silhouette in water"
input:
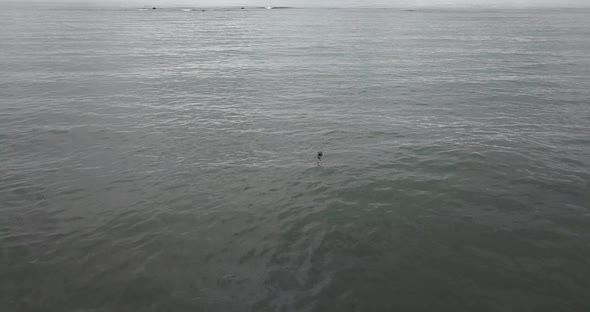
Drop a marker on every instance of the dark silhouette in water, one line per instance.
(320, 154)
(153, 8)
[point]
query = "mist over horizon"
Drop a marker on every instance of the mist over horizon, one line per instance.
(325, 3)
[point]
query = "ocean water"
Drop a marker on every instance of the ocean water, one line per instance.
(166, 160)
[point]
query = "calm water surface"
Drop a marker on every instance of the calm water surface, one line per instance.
(165, 160)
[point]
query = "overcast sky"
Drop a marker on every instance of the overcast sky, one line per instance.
(339, 3)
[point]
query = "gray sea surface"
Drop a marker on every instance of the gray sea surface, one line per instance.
(165, 160)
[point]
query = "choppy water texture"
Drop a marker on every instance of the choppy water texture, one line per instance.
(165, 160)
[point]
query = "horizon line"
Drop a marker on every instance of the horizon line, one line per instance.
(408, 7)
